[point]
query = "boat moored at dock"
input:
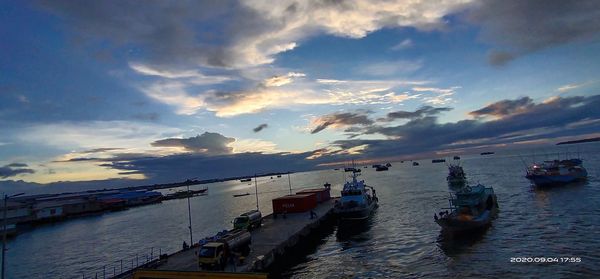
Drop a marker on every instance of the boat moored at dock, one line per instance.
(471, 208)
(357, 202)
(556, 172)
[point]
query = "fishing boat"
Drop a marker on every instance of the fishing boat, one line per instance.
(381, 168)
(456, 158)
(556, 172)
(241, 195)
(456, 175)
(357, 202)
(246, 180)
(438, 160)
(185, 194)
(471, 208)
(487, 153)
(388, 165)
(327, 185)
(415, 163)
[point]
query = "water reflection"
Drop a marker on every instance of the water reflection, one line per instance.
(455, 244)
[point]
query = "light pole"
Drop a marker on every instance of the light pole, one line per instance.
(4, 231)
(190, 210)
(256, 192)
(290, 182)
(190, 215)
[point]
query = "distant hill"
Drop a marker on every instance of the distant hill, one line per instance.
(579, 141)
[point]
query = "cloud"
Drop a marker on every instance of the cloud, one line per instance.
(192, 76)
(420, 113)
(340, 120)
(389, 68)
(260, 127)
(505, 107)
(14, 169)
(242, 34)
(285, 95)
(520, 27)
(521, 121)
(282, 80)
(443, 97)
(404, 44)
(207, 143)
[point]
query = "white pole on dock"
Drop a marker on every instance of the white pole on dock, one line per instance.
(190, 216)
(256, 191)
(290, 182)
(6, 197)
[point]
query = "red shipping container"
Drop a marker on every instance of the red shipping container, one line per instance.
(323, 194)
(294, 203)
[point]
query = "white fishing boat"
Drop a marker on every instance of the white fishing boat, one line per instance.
(358, 200)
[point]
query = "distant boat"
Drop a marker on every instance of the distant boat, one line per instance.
(388, 165)
(327, 185)
(246, 180)
(456, 157)
(375, 166)
(438, 160)
(472, 208)
(487, 153)
(241, 195)
(279, 175)
(336, 169)
(184, 194)
(348, 169)
(415, 163)
(556, 172)
(381, 168)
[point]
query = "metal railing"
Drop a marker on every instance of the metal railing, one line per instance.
(123, 267)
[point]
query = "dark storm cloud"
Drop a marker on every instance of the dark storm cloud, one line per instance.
(163, 29)
(167, 168)
(14, 169)
(423, 111)
(260, 127)
(207, 143)
(520, 27)
(100, 150)
(341, 119)
(505, 107)
(555, 117)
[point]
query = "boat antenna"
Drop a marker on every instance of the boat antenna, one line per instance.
(256, 191)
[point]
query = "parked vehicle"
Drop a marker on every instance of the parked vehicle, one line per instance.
(215, 254)
(248, 221)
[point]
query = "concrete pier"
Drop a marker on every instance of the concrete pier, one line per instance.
(268, 242)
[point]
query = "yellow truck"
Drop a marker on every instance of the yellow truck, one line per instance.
(215, 254)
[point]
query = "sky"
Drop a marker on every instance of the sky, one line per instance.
(109, 92)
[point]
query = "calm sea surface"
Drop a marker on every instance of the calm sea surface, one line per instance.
(400, 240)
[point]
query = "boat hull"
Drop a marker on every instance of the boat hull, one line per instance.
(542, 180)
(454, 225)
(355, 213)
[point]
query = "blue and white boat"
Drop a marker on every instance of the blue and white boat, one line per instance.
(471, 208)
(556, 172)
(358, 200)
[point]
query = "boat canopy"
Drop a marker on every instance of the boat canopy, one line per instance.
(469, 196)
